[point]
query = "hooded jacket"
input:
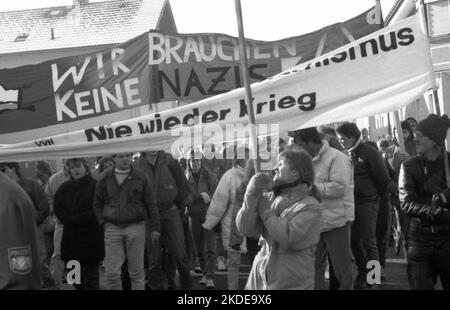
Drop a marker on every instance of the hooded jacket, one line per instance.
(291, 231)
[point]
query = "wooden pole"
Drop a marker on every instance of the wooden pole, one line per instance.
(398, 124)
(436, 101)
(389, 125)
(435, 93)
(248, 90)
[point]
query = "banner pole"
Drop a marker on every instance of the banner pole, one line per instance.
(248, 90)
(434, 94)
(398, 124)
(425, 29)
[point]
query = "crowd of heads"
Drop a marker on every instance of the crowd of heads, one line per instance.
(426, 134)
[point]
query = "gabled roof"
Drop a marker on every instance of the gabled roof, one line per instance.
(99, 23)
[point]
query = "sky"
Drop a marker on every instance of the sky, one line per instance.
(263, 19)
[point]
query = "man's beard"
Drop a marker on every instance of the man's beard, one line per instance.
(280, 185)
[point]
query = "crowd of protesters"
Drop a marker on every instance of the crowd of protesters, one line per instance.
(327, 203)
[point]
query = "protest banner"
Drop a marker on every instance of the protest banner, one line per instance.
(376, 74)
(72, 89)
(196, 66)
(72, 93)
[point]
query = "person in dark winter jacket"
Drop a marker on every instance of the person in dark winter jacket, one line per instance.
(82, 238)
(371, 180)
(286, 212)
(172, 194)
(203, 184)
(19, 254)
(424, 197)
(124, 201)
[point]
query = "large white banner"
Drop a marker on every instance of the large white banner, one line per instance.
(376, 74)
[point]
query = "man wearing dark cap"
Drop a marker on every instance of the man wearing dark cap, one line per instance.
(425, 198)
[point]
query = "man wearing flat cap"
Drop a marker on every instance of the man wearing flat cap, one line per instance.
(425, 198)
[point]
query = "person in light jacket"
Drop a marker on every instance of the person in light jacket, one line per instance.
(223, 209)
(288, 218)
(333, 178)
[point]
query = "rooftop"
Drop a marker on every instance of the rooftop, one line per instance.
(85, 24)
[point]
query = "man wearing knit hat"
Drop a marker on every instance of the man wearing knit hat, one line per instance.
(425, 198)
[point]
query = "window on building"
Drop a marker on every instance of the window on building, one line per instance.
(438, 18)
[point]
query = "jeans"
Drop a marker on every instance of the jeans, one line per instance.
(383, 229)
(404, 224)
(334, 282)
(336, 243)
(428, 258)
(189, 242)
(206, 244)
(57, 266)
(233, 266)
(172, 239)
(121, 242)
(90, 277)
(220, 249)
(363, 240)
